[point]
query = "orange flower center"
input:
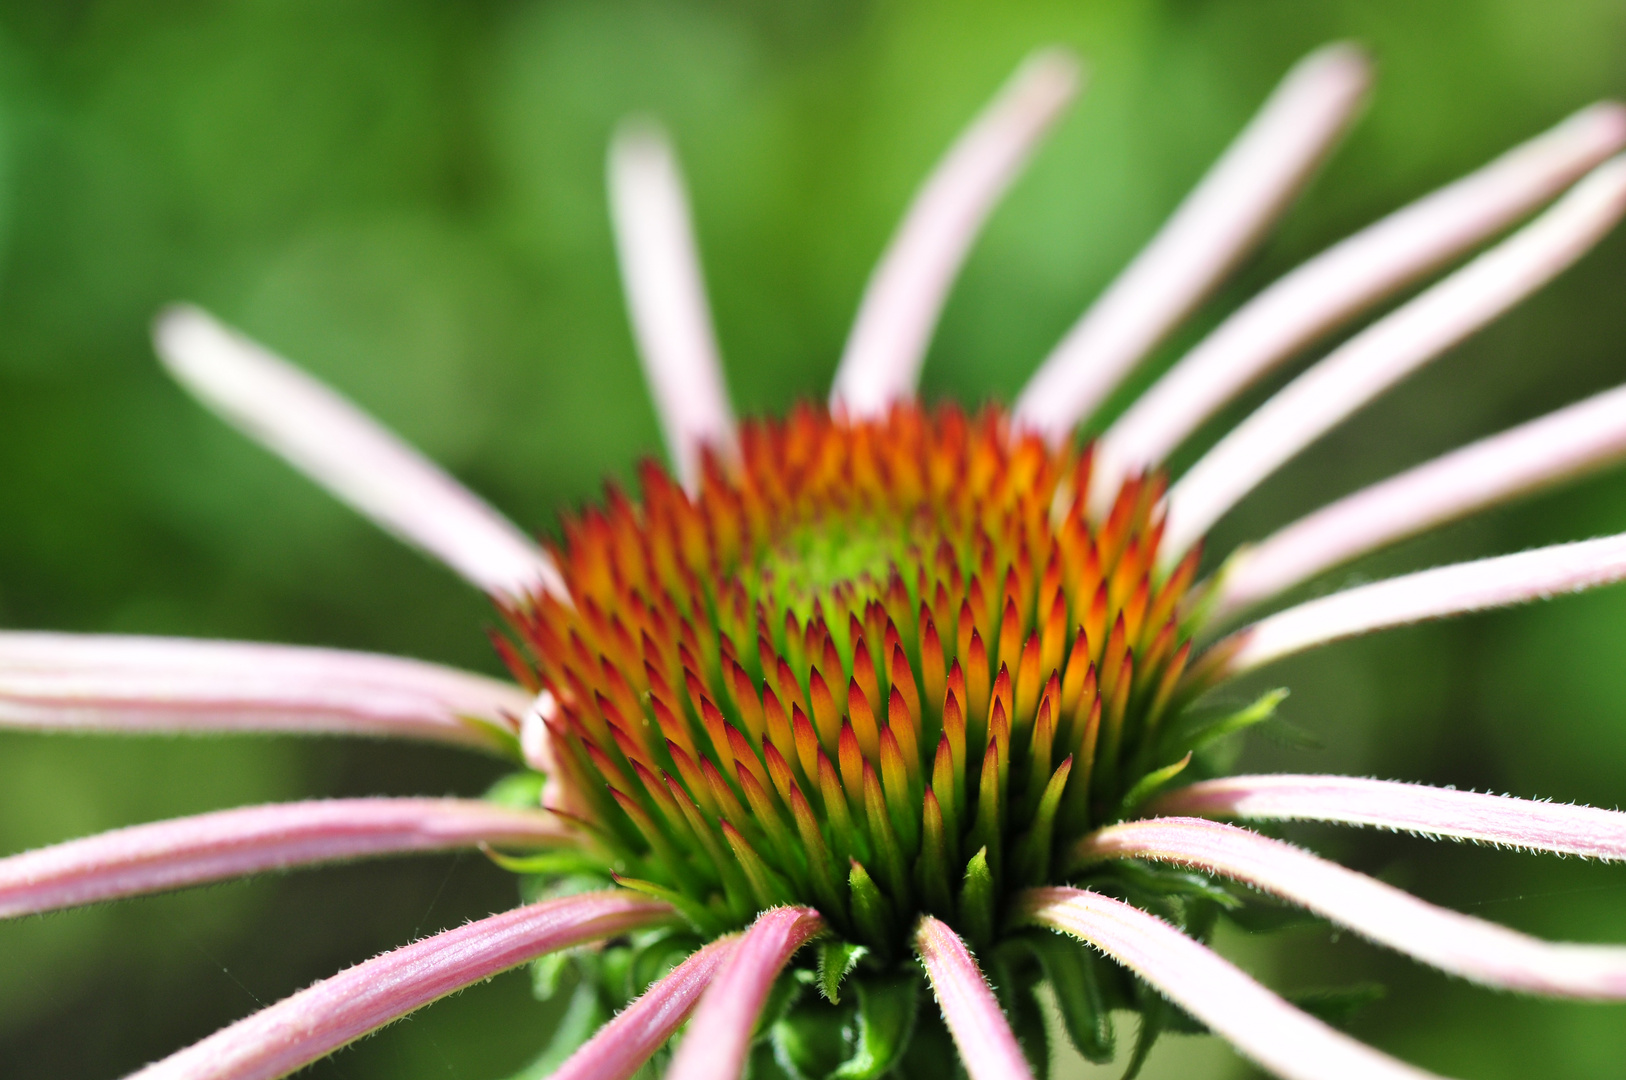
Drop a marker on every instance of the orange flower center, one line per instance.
(878, 667)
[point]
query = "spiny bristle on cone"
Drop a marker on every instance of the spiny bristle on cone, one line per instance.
(869, 667)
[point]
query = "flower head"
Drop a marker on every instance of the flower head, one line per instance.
(866, 663)
(871, 697)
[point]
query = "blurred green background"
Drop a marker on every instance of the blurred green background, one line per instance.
(407, 197)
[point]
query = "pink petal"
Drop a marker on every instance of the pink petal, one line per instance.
(884, 352)
(1427, 594)
(973, 1016)
(1413, 808)
(535, 744)
(350, 454)
(1345, 280)
(666, 297)
(719, 1037)
(336, 1011)
(253, 839)
(1560, 445)
(1274, 1034)
(1472, 948)
(626, 1042)
(1388, 351)
(1214, 227)
(96, 682)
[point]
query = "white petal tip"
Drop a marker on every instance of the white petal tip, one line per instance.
(1605, 121)
(1054, 73)
(640, 141)
(351, 454)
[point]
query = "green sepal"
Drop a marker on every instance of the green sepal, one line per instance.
(585, 1015)
(1156, 1013)
(518, 790)
(1201, 731)
(1148, 785)
(550, 863)
(931, 1054)
(813, 1039)
(836, 961)
(1073, 971)
(1150, 881)
(887, 1008)
(697, 915)
(547, 971)
(498, 738)
(873, 913)
(534, 887)
(786, 992)
(1027, 1024)
(977, 900)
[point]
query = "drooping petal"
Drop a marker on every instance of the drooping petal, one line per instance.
(720, 1034)
(350, 454)
(1213, 228)
(95, 682)
(625, 1043)
(254, 839)
(666, 297)
(1587, 435)
(882, 359)
(336, 1011)
(1280, 1038)
(1345, 280)
(987, 1046)
(1474, 949)
(1428, 594)
(1463, 815)
(1388, 351)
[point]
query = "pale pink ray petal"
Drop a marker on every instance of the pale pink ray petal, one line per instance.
(625, 1043)
(1474, 949)
(1388, 351)
(987, 1046)
(1430, 811)
(887, 345)
(350, 454)
(96, 682)
(1428, 594)
(1345, 280)
(339, 1010)
(666, 298)
(1275, 1035)
(1215, 226)
(254, 839)
(719, 1036)
(1585, 436)
(535, 744)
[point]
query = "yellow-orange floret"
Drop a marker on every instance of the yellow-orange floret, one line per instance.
(879, 667)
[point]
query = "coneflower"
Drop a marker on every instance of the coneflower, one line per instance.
(862, 702)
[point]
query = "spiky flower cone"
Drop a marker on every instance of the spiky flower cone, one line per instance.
(879, 668)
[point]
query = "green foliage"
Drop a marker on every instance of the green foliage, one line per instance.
(836, 961)
(886, 1013)
(1075, 975)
